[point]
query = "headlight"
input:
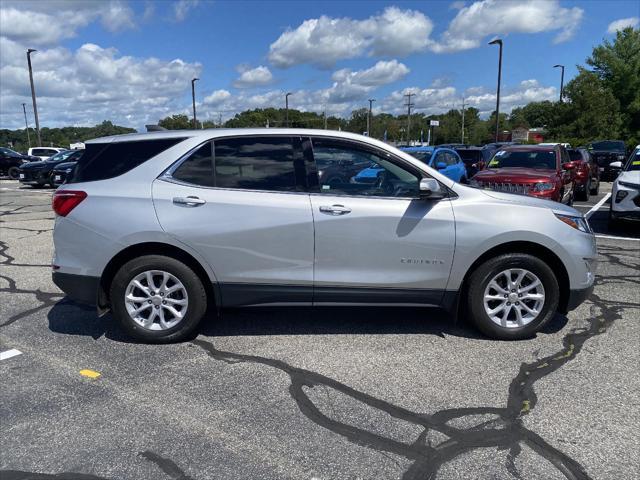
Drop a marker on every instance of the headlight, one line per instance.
(68, 170)
(579, 223)
(629, 185)
(543, 186)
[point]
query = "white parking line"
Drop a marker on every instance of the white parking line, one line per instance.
(10, 353)
(597, 206)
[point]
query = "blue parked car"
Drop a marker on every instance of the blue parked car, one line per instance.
(445, 160)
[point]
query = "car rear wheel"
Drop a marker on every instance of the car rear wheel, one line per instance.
(584, 194)
(512, 296)
(158, 299)
(14, 173)
(595, 190)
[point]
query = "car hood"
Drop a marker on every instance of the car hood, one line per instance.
(39, 165)
(65, 165)
(531, 202)
(514, 175)
(630, 177)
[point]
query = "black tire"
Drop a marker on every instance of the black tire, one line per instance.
(197, 297)
(479, 280)
(584, 194)
(613, 223)
(14, 173)
(595, 191)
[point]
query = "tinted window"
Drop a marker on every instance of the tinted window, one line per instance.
(107, 160)
(608, 145)
(450, 159)
(422, 156)
(575, 155)
(634, 161)
(380, 177)
(255, 163)
(43, 152)
(470, 155)
(539, 159)
(197, 168)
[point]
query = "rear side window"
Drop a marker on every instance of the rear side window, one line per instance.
(197, 169)
(255, 163)
(108, 160)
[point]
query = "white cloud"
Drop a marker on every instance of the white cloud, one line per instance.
(253, 77)
(457, 5)
(622, 24)
(382, 73)
(39, 23)
(217, 97)
(90, 84)
(182, 8)
(325, 40)
(477, 21)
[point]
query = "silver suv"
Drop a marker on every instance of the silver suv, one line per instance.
(156, 227)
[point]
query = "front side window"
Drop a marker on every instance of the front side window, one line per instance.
(450, 159)
(255, 163)
(375, 173)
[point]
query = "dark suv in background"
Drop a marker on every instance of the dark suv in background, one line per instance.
(10, 162)
(605, 152)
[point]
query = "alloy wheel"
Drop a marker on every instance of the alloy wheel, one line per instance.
(514, 298)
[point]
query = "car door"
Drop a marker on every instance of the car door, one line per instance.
(378, 242)
(241, 204)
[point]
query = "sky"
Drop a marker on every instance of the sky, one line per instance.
(132, 62)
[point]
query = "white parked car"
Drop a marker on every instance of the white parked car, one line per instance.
(625, 193)
(44, 152)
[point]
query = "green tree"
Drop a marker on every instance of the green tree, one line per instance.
(178, 122)
(617, 65)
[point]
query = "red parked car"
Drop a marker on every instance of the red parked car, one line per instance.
(540, 171)
(587, 173)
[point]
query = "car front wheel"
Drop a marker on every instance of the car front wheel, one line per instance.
(512, 296)
(14, 173)
(158, 299)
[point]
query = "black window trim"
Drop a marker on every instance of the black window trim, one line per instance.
(167, 175)
(375, 150)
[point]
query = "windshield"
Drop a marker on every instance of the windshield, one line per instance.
(422, 156)
(574, 155)
(60, 156)
(538, 159)
(607, 145)
(633, 164)
(472, 155)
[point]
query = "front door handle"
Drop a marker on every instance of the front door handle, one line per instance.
(189, 201)
(335, 209)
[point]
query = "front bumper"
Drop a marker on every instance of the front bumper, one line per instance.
(80, 288)
(577, 297)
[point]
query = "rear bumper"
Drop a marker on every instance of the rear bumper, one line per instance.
(80, 288)
(577, 297)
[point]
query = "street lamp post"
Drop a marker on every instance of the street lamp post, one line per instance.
(409, 105)
(286, 108)
(561, 80)
(193, 100)
(498, 41)
(26, 124)
(33, 96)
(371, 100)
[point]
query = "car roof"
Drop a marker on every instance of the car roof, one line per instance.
(211, 133)
(542, 148)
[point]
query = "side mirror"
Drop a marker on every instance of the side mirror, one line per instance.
(430, 189)
(441, 165)
(569, 166)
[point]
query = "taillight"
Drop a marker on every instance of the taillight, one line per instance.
(66, 200)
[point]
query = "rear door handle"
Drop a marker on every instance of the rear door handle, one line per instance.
(335, 209)
(189, 201)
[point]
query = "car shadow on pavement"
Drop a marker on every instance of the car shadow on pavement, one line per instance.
(70, 318)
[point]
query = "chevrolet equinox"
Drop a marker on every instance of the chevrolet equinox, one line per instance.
(157, 226)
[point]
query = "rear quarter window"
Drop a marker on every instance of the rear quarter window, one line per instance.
(102, 161)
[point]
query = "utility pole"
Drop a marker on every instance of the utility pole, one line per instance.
(409, 105)
(33, 95)
(324, 114)
(193, 99)
(286, 109)
(26, 124)
(561, 80)
(463, 105)
(498, 42)
(371, 100)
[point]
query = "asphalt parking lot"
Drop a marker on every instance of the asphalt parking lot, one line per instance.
(333, 393)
